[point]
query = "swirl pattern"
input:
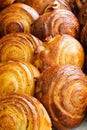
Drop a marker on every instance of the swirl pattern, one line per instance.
(63, 91)
(23, 112)
(16, 76)
(21, 21)
(58, 21)
(18, 46)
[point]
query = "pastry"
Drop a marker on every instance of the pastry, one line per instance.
(19, 46)
(61, 49)
(63, 92)
(21, 21)
(23, 112)
(56, 21)
(16, 76)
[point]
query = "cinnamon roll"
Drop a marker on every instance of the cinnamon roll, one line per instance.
(56, 21)
(19, 46)
(63, 92)
(16, 76)
(23, 112)
(61, 49)
(18, 17)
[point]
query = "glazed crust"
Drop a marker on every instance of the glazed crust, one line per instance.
(21, 21)
(18, 46)
(61, 49)
(19, 111)
(58, 21)
(63, 91)
(16, 76)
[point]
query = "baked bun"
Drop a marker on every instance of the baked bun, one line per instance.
(16, 76)
(20, 112)
(61, 49)
(21, 21)
(19, 46)
(56, 21)
(63, 92)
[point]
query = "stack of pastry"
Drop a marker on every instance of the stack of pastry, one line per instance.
(42, 57)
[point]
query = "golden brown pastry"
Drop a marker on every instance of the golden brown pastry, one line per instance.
(16, 76)
(83, 37)
(61, 49)
(21, 21)
(56, 21)
(23, 112)
(18, 46)
(63, 92)
(82, 15)
(5, 3)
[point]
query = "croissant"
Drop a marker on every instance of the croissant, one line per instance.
(5, 3)
(16, 76)
(82, 15)
(23, 112)
(21, 21)
(83, 37)
(18, 46)
(58, 21)
(61, 49)
(63, 92)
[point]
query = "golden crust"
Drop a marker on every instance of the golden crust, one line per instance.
(63, 92)
(16, 76)
(18, 46)
(21, 21)
(19, 111)
(58, 21)
(61, 49)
